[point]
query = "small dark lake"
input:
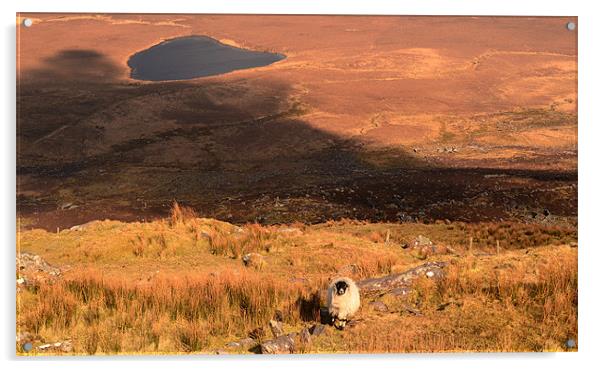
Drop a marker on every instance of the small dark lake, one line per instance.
(193, 57)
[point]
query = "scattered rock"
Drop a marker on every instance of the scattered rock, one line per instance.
(80, 227)
(573, 244)
(402, 280)
(233, 345)
(422, 241)
(280, 345)
(317, 329)
(379, 306)
(254, 260)
(220, 352)
(33, 267)
(67, 206)
(276, 328)
(400, 291)
(305, 337)
(412, 311)
(247, 342)
(422, 253)
(423, 247)
(64, 346)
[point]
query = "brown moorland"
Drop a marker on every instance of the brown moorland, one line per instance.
(379, 118)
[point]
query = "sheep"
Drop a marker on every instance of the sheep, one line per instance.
(343, 301)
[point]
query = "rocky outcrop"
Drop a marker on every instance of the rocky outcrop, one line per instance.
(61, 346)
(422, 247)
(81, 227)
(317, 329)
(421, 241)
(27, 262)
(276, 328)
(244, 343)
(282, 345)
(305, 337)
(400, 283)
(33, 269)
(288, 343)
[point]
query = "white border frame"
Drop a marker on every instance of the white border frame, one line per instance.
(590, 118)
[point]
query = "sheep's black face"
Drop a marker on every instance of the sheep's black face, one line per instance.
(341, 287)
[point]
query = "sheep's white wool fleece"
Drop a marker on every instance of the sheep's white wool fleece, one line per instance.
(343, 307)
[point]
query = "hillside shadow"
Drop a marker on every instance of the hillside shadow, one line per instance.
(92, 146)
(75, 65)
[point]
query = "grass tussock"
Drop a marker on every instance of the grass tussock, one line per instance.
(181, 214)
(250, 238)
(150, 246)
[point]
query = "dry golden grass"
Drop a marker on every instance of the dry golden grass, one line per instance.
(180, 313)
(178, 285)
(511, 235)
(180, 214)
(250, 238)
(518, 235)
